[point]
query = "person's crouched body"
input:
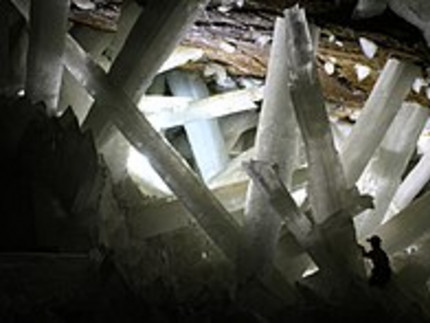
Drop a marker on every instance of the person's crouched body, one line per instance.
(381, 270)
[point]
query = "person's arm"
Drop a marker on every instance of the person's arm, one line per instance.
(364, 253)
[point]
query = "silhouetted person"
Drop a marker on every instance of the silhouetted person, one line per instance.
(381, 270)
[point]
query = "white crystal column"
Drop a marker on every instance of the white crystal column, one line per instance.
(327, 189)
(407, 226)
(384, 102)
(410, 187)
(383, 174)
(326, 186)
(48, 28)
(277, 197)
(168, 112)
(204, 136)
(277, 143)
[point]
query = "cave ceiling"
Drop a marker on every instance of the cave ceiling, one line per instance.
(237, 36)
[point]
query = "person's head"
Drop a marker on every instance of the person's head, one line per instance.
(375, 241)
